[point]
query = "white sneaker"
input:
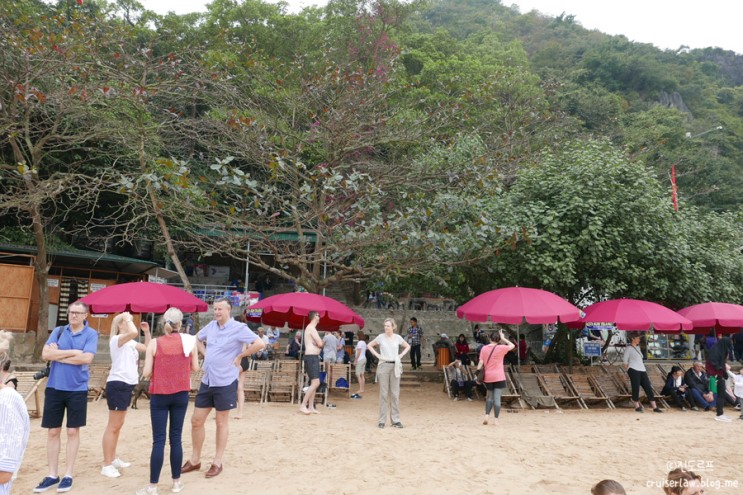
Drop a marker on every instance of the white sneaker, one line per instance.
(723, 418)
(148, 490)
(110, 471)
(469, 399)
(119, 464)
(177, 487)
(305, 389)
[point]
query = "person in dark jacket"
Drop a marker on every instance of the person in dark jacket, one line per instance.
(738, 345)
(717, 358)
(698, 383)
(677, 388)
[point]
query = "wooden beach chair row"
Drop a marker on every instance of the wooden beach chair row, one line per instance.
(585, 387)
(510, 395)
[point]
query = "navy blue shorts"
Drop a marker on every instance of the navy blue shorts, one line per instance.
(312, 367)
(220, 398)
(118, 395)
(55, 404)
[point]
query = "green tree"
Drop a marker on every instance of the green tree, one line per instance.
(602, 226)
(48, 84)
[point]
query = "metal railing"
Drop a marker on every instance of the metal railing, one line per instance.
(209, 293)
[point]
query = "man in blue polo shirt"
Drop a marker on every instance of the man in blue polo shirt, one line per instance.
(70, 349)
(224, 349)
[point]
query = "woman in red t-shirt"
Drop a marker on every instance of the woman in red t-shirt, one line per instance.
(491, 357)
(168, 363)
(463, 349)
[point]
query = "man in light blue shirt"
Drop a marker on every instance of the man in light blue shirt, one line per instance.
(70, 349)
(224, 339)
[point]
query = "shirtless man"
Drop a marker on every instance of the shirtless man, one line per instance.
(313, 344)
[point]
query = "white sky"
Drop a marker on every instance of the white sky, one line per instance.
(664, 23)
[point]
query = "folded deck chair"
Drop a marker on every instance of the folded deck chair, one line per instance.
(531, 391)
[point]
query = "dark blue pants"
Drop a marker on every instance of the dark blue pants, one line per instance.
(700, 400)
(162, 407)
(415, 355)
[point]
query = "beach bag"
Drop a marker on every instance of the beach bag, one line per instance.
(480, 375)
(341, 383)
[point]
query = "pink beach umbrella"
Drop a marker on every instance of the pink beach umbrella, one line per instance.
(637, 315)
(291, 309)
(142, 297)
(514, 305)
(724, 317)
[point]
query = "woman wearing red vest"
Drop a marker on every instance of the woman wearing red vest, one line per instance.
(168, 363)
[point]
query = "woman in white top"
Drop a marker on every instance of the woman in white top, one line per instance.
(638, 375)
(359, 362)
(122, 379)
(389, 370)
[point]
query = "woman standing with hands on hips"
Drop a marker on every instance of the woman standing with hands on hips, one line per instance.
(638, 374)
(389, 371)
(491, 358)
(122, 379)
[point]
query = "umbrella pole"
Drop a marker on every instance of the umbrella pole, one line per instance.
(570, 351)
(518, 349)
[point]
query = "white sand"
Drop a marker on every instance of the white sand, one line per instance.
(444, 448)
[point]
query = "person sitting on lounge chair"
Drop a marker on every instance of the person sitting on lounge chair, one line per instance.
(459, 380)
(698, 383)
(677, 388)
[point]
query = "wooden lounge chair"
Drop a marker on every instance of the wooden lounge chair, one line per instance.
(282, 387)
(196, 377)
(511, 394)
(610, 388)
(523, 368)
(559, 388)
(337, 371)
(546, 368)
(447, 382)
(588, 389)
(97, 381)
(254, 385)
(532, 392)
(261, 364)
(28, 387)
(658, 383)
(287, 365)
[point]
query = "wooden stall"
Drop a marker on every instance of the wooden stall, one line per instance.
(73, 274)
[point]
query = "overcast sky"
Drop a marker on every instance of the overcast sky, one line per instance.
(664, 23)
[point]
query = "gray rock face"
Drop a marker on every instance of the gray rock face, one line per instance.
(674, 100)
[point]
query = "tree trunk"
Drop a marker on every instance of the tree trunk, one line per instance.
(41, 273)
(169, 248)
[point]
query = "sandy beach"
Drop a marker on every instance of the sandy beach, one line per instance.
(444, 448)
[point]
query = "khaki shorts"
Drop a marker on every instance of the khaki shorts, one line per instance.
(360, 366)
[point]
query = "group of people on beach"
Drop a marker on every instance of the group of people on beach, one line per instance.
(169, 360)
(224, 343)
(692, 387)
